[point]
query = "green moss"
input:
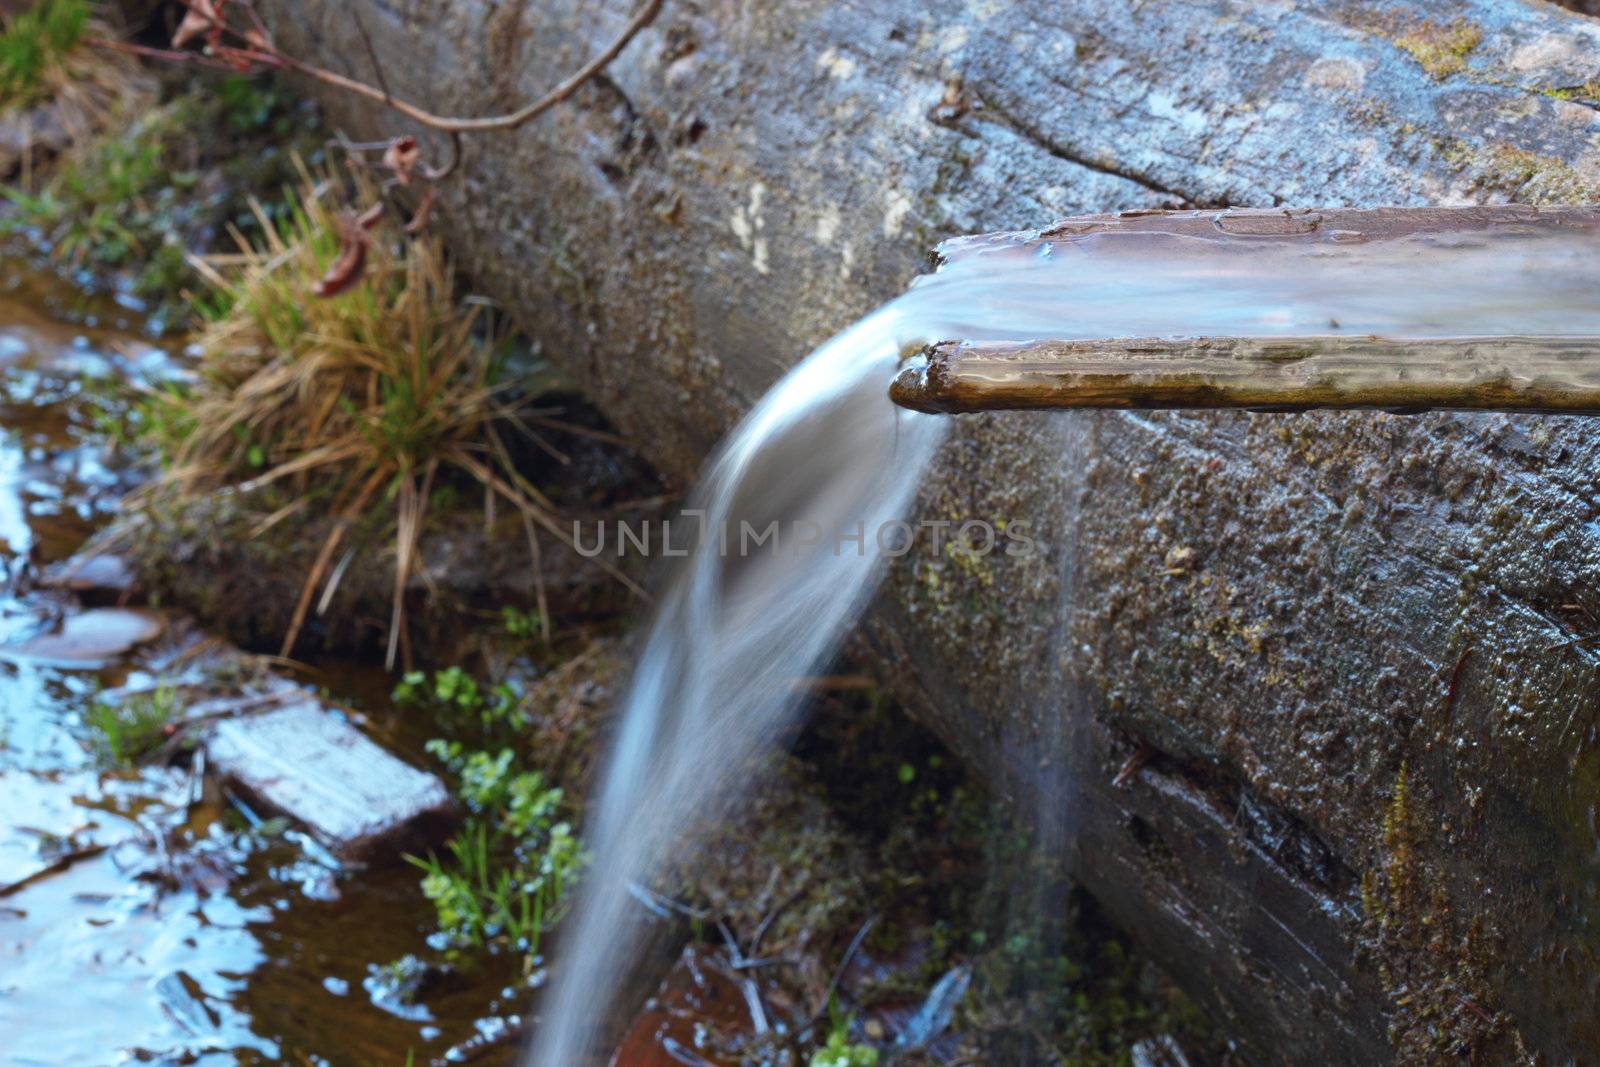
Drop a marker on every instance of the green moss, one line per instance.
(1588, 92)
(960, 883)
(1441, 50)
(1527, 176)
(1433, 966)
(1543, 179)
(841, 1052)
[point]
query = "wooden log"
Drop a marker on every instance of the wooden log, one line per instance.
(1275, 605)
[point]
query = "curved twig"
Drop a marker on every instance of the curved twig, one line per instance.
(439, 174)
(510, 121)
(257, 51)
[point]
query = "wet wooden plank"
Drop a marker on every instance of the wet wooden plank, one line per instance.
(310, 764)
(1494, 331)
(1544, 375)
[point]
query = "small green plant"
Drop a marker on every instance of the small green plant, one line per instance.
(840, 1051)
(524, 624)
(125, 733)
(457, 695)
(97, 210)
(144, 419)
(505, 878)
(129, 197)
(33, 44)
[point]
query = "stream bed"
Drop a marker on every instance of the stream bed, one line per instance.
(149, 915)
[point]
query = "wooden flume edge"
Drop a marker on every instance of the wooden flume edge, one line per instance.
(1556, 375)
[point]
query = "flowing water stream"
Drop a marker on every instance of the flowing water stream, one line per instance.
(828, 458)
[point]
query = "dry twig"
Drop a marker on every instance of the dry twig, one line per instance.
(249, 48)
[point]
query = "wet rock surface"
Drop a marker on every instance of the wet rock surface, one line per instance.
(1294, 615)
(95, 575)
(89, 637)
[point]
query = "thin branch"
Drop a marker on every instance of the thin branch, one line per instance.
(372, 55)
(272, 57)
(510, 121)
(338, 141)
(844, 962)
(254, 49)
(167, 55)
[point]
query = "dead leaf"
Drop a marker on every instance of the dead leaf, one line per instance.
(199, 17)
(401, 158)
(371, 217)
(351, 264)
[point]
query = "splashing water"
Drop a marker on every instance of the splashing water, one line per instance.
(825, 451)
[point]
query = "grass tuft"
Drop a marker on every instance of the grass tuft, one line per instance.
(373, 398)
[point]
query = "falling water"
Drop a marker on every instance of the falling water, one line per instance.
(826, 452)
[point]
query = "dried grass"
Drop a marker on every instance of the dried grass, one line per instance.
(351, 401)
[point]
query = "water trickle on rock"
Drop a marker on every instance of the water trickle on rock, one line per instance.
(826, 454)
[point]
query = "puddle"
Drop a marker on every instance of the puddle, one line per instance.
(149, 916)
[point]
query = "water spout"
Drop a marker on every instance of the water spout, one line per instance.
(1477, 309)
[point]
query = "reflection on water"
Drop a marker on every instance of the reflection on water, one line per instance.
(142, 918)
